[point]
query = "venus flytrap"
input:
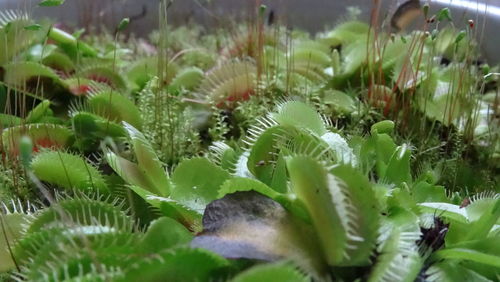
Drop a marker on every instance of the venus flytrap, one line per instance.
(42, 135)
(148, 170)
(200, 155)
(68, 171)
(12, 218)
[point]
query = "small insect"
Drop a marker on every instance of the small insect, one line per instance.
(405, 14)
(465, 202)
(261, 163)
(270, 18)
(471, 23)
(431, 19)
(433, 237)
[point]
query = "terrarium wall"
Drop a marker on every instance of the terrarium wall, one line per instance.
(312, 15)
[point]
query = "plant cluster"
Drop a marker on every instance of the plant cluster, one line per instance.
(253, 154)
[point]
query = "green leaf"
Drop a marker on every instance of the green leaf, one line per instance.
(347, 32)
(444, 14)
(238, 184)
(177, 265)
(189, 78)
(445, 210)
(398, 167)
(446, 270)
(461, 35)
(68, 171)
(168, 207)
(271, 272)
(70, 44)
(340, 101)
(51, 3)
(197, 182)
(13, 37)
(130, 172)
(223, 155)
(318, 190)
(17, 74)
(115, 107)
(34, 27)
(341, 207)
(368, 213)
(142, 186)
(426, 192)
(104, 73)
(164, 233)
(399, 259)
(11, 226)
(279, 179)
(300, 115)
(148, 161)
(472, 222)
(42, 135)
(482, 225)
(377, 150)
(355, 56)
(9, 120)
(385, 126)
(41, 110)
(261, 158)
(467, 254)
(397, 266)
(82, 212)
(88, 126)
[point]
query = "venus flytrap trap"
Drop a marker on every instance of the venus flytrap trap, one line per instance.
(42, 135)
(68, 171)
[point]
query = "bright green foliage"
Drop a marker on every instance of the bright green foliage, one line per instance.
(104, 74)
(300, 115)
(271, 272)
(177, 265)
(17, 74)
(110, 105)
(39, 112)
(196, 182)
(13, 38)
(11, 225)
(8, 120)
(340, 101)
(164, 233)
(260, 154)
(90, 129)
(67, 171)
(246, 184)
(81, 211)
(233, 81)
(42, 135)
(61, 241)
(188, 78)
(337, 203)
(51, 3)
(147, 160)
(52, 56)
(143, 70)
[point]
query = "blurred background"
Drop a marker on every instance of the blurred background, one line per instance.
(311, 15)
